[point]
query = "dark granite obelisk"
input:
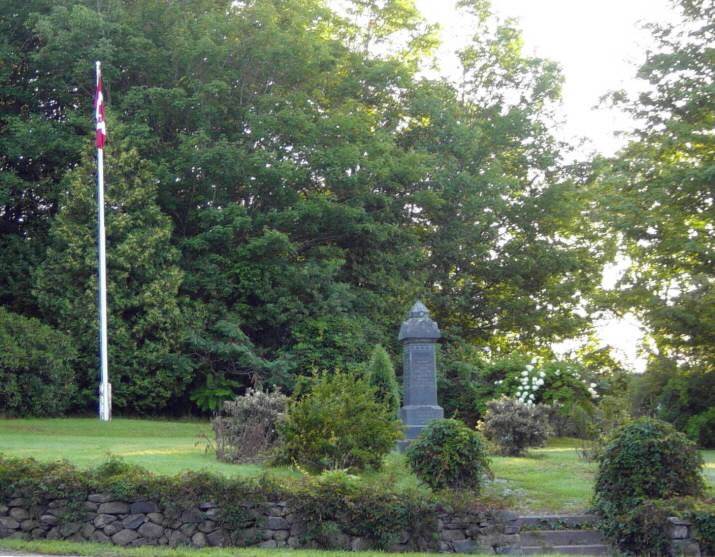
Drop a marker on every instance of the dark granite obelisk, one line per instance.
(419, 335)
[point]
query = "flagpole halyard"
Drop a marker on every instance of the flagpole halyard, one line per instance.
(105, 388)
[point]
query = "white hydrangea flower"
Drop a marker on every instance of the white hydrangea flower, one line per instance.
(529, 367)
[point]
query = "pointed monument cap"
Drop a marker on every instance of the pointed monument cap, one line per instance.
(419, 325)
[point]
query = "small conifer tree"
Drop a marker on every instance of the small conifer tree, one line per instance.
(381, 375)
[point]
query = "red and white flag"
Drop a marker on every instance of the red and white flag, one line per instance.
(99, 111)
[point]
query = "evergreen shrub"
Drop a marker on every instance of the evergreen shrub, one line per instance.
(448, 454)
(514, 425)
(338, 425)
(36, 376)
(381, 375)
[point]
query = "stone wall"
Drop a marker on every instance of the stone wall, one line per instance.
(102, 518)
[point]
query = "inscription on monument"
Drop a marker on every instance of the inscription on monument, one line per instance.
(422, 374)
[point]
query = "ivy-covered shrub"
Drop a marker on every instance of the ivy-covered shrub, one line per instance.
(642, 470)
(448, 454)
(338, 425)
(644, 528)
(648, 459)
(246, 429)
(701, 429)
(36, 377)
(381, 375)
(514, 425)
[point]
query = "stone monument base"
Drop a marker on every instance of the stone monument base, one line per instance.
(416, 419)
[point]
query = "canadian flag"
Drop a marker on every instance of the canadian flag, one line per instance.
(99, 111)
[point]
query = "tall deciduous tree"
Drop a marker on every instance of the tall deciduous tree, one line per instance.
(658, 194)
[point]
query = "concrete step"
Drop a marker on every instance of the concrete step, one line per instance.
(557, 521)
(552, 538)
(595, 549)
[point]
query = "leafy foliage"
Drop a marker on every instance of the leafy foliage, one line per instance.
(36, 367)
(328, 506)
(381, 375)
(642, 471)
(246, 429)
(644, 528)
(514, 425)
(647, 459)
(676, 395)
(297, 185)
(338, 425)
(701, 428)
(335, 503)
(448, 454)
(657, 194)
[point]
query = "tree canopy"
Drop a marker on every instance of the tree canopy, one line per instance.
(283, 181)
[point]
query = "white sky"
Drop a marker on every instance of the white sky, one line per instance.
(599, 45)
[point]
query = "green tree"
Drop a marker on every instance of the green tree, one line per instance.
(510, 257)
(381, 375)
(657, 194)
(145, 320)
(36, 367)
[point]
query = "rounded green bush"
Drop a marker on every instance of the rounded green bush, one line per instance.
(647, 459)
(448, 454)
(338, 425)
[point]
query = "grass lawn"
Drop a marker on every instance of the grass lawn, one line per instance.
(550, 479)
(101, 550)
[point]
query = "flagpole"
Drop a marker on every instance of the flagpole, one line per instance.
(105, 396)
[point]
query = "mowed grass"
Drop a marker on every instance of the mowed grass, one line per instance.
(553, 478)
(100, 550)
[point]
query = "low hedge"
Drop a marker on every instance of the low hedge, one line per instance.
(326, 504)
(644, 529)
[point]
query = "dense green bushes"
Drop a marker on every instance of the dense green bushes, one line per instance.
(337, 501)
(647, 459)
(643, 470)
(36, 367)
(683, 397)
(338, 424)
(448, 454)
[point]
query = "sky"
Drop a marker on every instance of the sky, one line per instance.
(599, 44)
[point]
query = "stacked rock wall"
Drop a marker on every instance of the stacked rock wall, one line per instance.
(103, 518)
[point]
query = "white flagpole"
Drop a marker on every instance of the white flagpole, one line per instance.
(105, 393)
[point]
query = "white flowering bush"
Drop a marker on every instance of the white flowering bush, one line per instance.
(514, 425)
(557, 383)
